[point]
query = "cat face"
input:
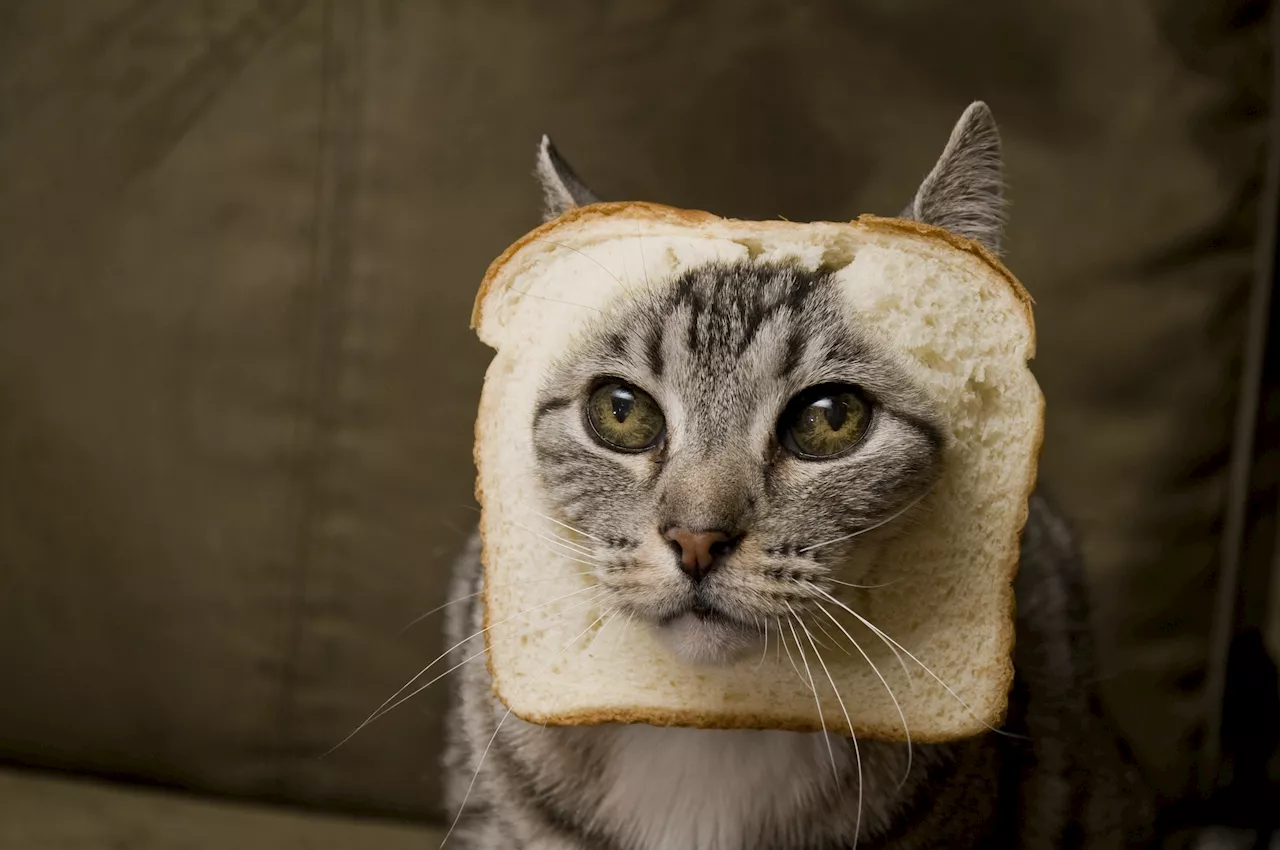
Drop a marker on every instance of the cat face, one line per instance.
(725, 445)
(733, 447)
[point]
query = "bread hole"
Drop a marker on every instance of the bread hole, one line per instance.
(755, 247)
(837, 255)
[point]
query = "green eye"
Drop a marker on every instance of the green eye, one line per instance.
(824, 421)
(624, 417)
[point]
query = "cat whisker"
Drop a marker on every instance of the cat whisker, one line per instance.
(863, 586)
(557, 540)
(869, 528)
(587, 256)
(626, 627)
(479, 764)
(644, 264)
(883, 681)
(612, 613)
(540, 625)
(421, 617)
(568, 557)
(574, 529)
(906, 671)
(853, 735)
(391, 702)
(833, 638)
(783, 638)
(764, 653)
(892, 643)
(822, 721)
(555, 300)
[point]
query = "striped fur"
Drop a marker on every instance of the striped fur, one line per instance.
(721, 354)
(1063, 783)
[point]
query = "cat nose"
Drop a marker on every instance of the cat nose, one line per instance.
(700, 552)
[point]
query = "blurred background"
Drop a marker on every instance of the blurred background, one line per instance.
(238, 246)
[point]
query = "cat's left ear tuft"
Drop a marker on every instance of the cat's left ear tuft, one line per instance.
(964, 193)
(561, 188)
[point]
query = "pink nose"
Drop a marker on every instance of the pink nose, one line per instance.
(700, 551)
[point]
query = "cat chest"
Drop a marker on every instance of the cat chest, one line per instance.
(693, 789)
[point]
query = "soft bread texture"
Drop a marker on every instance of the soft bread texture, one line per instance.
(963, 325)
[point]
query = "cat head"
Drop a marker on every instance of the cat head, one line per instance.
(737, 441)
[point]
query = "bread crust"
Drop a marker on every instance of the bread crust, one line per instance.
(1002, 670)
(644, 211)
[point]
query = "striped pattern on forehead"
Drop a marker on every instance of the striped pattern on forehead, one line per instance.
(714, 314)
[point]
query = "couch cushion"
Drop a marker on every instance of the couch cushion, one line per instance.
(238, 246)
(48, 812)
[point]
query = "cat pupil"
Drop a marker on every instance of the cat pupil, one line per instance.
(837, 412)
(623, 401)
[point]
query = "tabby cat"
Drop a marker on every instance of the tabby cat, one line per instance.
(1057, 780)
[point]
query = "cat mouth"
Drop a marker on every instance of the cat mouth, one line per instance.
(703, 633)
(708, 613)
(702, 610)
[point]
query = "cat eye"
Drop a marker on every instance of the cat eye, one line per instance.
(624, 417)
(824, 421)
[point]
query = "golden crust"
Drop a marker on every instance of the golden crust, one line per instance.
(643, 211)
(728, 720)
(1002, 669)
(632, 209)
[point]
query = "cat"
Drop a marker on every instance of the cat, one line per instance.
(1060, 779)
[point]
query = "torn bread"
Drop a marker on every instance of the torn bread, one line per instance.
(944, 612)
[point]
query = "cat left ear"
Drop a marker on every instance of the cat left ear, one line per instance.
(964, 193)
(561, 188)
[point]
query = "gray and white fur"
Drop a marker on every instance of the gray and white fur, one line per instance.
(724, 354)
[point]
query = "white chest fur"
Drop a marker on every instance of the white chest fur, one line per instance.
(694, 789)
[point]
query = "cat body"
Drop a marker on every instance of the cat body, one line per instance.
(1062, 782)
(740, 425)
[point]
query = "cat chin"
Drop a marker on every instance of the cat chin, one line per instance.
(705, 642)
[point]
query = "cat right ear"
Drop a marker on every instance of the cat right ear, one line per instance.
(561, 188)
(964, 193)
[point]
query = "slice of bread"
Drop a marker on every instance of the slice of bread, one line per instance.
(962, 324)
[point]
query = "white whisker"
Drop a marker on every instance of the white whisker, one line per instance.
(566, 525)
(883, 681)
(901, 661)
(869, 528)
(554, 300)
(391, 702)
(783, 638)
(863, 586)
(777, 647)
(586, 255)
(644, 265)
(558, 540)
(611, 614)
(857, 829)
(540, 625)
(822, 720)
(923, 667)
(626, 628)
(421, 617)
(833, 638)
(567, 557)
(498, 728)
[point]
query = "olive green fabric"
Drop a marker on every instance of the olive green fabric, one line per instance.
(238, 246)
(51, 813)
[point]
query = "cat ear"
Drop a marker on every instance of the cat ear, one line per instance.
(561, 188)
(964, 192)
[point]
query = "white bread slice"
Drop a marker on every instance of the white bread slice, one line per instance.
(964, 327)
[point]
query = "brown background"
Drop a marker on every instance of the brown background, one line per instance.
(238, 247)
